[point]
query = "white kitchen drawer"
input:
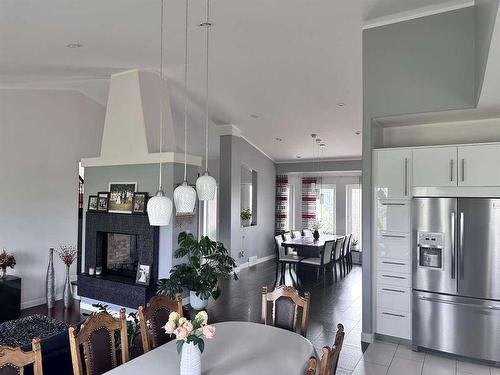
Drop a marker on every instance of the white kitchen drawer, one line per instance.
(401, 280)
(393, 216)
(394, 323)
(393, 245)
(393, 265)
(394, 297)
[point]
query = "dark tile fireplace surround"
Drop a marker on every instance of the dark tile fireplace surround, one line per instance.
(117, 242)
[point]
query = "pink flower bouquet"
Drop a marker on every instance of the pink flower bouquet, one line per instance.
(187, 331)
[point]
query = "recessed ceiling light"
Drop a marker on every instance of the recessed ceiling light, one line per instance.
(318, 140)
(357, 132)
(314, 135)
(254, 115)
(279, 139)
(322, 145)
(299, 157)
(340, 104)
(74, 45)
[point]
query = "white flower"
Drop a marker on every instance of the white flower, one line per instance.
(189, 326)
(202, 318)
(173, 317)
(170, 327)
(182, 321)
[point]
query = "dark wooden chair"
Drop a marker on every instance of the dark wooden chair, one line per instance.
(286, 302)
(311, 366)
(153, 318)
(14, 360)
(338, 256)
(323, 262)
(97, 337)
(330, 358)
(283, 259)
(345, 254)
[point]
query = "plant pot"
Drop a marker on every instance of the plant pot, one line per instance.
(190, 359)
(316, 235)
(196, 302)
(246, 223)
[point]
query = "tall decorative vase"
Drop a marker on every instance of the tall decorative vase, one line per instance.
(50, 282)
(67, 295)
(316, 235)
(190, 359)
(3, 273)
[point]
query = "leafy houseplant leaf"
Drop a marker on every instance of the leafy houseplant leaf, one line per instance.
(180, 343)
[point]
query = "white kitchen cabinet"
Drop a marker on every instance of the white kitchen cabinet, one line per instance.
(434, 167)
(392, 169)
(479, 165)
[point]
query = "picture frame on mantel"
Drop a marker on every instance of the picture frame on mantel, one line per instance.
(93, 203)
(103, 201)
(139, 203)
(143, 274)
(120, 197)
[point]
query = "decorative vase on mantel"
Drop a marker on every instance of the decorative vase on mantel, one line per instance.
(50, 282)
(67, 294)
(190, 359)
(316, 235)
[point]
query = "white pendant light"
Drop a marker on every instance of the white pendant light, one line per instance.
(206, 185)
(184, 194)
(160, 207)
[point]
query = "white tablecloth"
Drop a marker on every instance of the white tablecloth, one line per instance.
(239, 348)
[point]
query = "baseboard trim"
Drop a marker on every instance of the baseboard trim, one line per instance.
(248, 264)
(33, 302)
(367, 337)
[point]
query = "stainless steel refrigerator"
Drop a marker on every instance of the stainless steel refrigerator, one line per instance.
(456, 276)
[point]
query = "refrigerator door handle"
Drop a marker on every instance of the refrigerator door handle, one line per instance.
(461, 246)
(453, 249)
(473, 305)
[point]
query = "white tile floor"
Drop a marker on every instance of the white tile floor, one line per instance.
(383, 358)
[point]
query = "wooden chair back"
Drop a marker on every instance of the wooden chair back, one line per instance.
(97, 337)
(311, 366)
(14, 360)
(286, 302)
(330, 358)
(153, 318)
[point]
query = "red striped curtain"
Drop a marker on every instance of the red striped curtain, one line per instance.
(308, 201)
(282, 204)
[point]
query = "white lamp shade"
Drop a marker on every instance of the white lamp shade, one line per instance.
(206, 187)
(184, 199)
(159, 210)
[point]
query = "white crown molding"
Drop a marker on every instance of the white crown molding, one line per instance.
(418, 13)
(230, 129)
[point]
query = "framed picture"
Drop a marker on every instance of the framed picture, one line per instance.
(93, 203)
(120, 196)
(139, 202)
(143, 274)
(103, 201)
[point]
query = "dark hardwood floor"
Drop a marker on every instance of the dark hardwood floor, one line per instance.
(241, 300)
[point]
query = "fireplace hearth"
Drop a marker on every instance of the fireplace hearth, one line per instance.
(119, 243)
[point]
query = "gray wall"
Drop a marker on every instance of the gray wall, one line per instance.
(486, 12)
(255, 240)
(146, 175)
(422, 65)
(43, 135)
(329, 165)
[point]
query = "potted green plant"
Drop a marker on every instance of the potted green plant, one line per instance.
(355, 244)
(206, 262)
(246, 217)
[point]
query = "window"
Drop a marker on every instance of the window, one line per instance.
(326, 209)
(353, 211)
(208, 218)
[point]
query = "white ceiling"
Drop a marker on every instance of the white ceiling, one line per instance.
(290, 62)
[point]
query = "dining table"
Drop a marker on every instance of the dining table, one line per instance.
(238, 348)
(308, 247)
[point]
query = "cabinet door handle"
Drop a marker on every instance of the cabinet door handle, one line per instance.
(392, 236)
(393, 290)
(394, 277)
(406, 177)
(396, 315)
(394, 263)
(463, 169)
(451, 170)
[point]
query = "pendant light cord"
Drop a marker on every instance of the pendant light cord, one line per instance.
(186, 100)
(161, 89)
(207, 25)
